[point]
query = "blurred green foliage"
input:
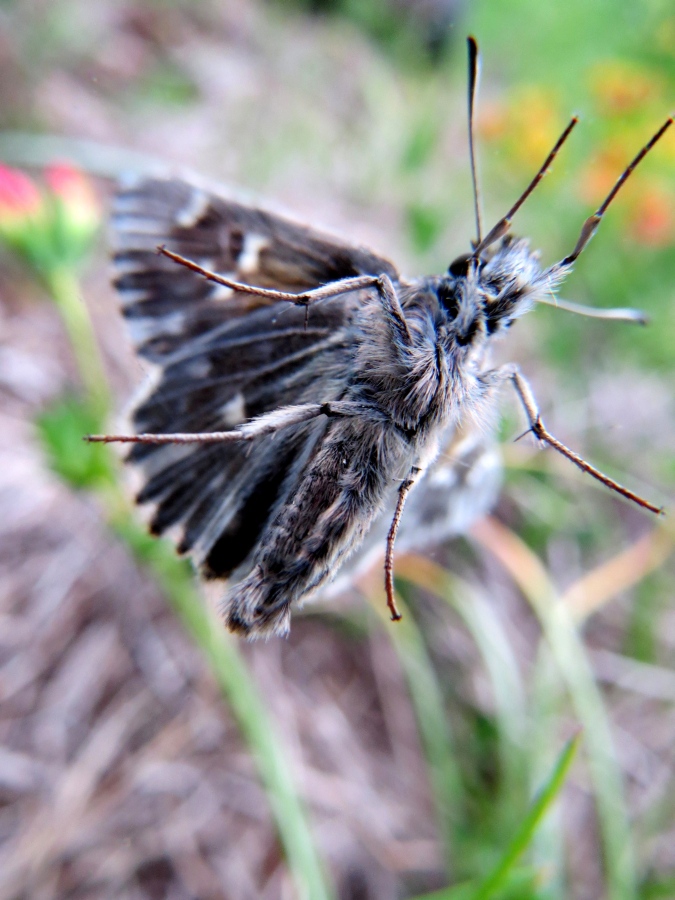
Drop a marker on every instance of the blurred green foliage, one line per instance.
(613, 63)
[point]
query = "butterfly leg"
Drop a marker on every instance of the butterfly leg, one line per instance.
(523, 390)
(268, 423)
(403, 492)
(382, 283)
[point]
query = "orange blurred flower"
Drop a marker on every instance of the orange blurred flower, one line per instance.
(529, 122)
(601, 172)
(652, 217)
(622, 87)
(493, 120)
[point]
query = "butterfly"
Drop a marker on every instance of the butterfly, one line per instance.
(303, 386)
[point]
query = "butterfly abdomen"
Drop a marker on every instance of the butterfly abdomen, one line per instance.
(321, 521)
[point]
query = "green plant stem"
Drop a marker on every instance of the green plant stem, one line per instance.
(64, 287)
(569, 653)
(507, 686)
(230, 671)
(549, 705)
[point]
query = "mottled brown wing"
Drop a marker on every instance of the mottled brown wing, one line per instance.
(225, 357)
(166, 305)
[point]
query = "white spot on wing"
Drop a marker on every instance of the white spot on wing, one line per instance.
(197, 368)
(130, 296)
(234, 411)
(143, 330)
(249, 258)
(153, 377)
(193, 210)
(128, 267)
(136, 224)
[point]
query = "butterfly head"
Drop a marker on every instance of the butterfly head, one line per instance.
(482, 295)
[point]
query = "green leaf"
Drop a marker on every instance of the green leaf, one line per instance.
(62, 428)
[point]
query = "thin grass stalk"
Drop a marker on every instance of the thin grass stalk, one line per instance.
(497, 879)
(547, 698)
(64, 288)
(427, 698)
(507, 686)
(567, 648)
(502, 876)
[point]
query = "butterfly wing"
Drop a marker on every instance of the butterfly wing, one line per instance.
(166, 305)
(223, 357)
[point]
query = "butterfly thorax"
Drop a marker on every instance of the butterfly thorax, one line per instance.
(427, 382)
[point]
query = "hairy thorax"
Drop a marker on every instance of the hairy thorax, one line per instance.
(419, 385)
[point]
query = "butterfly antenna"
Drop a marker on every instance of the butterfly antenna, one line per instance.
(504, 223)
(619, 314)
(591, 224)
(474, 71)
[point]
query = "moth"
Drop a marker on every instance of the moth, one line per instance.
(303, 385)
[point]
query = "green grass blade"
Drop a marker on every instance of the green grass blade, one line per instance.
(525, 833)
(522, 884)
(500, 881)
(549, 706)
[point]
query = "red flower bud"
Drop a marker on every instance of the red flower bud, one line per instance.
(49, 228)
(74, 192)
(20, 202)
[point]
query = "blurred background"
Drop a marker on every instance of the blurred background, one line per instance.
(144, 754)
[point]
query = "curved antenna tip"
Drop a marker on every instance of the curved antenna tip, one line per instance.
(474, 67)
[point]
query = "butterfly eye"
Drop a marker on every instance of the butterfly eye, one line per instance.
(459, 268)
